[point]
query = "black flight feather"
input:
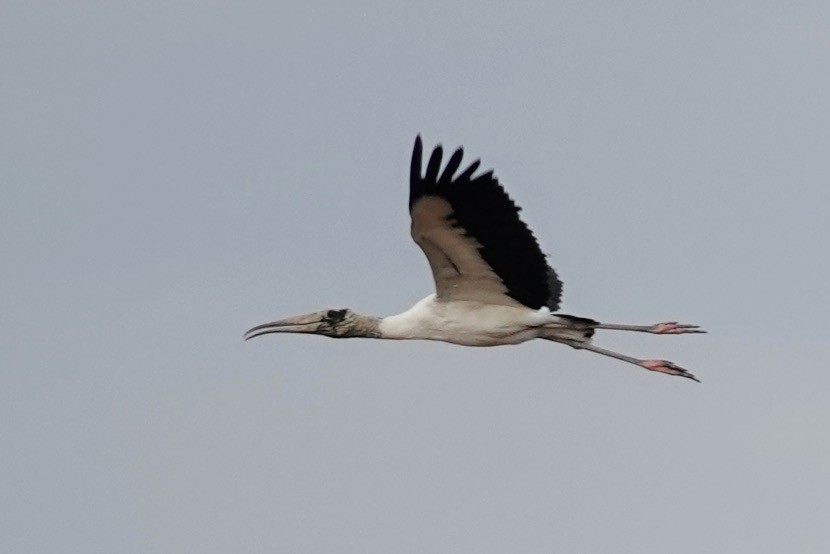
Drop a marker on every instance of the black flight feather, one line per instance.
(484, 210)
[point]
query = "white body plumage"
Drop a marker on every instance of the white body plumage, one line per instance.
(471, 323)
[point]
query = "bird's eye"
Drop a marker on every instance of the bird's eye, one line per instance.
(336, 315)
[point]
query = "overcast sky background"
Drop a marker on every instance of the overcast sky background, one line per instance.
(175, 173)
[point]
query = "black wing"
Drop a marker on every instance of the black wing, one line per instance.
(470, 231)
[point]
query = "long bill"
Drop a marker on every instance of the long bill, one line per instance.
(309, 323)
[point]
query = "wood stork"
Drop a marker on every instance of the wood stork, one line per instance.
(493, 283)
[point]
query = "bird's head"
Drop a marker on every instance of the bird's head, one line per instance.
(331, 323)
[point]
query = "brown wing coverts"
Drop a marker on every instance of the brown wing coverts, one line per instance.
(484, 210)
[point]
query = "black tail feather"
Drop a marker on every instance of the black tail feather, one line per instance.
(582, 323)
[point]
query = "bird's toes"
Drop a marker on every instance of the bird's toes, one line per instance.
(667, 367)
(675, 328)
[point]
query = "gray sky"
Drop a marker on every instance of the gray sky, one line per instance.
(173, 174)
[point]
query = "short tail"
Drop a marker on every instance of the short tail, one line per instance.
(570, 328)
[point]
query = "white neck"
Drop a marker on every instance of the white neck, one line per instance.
(411, 324)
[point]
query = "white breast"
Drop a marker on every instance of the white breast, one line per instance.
(465, 322)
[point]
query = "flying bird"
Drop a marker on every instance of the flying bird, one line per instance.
(493, 284)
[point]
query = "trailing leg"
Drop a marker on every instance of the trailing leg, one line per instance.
(661, 366)
(666, 328)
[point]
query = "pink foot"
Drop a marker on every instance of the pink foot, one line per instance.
(663, 366)
(674, 328)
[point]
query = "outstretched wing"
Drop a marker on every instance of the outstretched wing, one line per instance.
(469, 229)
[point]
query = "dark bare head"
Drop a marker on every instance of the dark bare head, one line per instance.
(341, 323)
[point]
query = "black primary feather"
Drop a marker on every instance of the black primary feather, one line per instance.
(484, 210)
